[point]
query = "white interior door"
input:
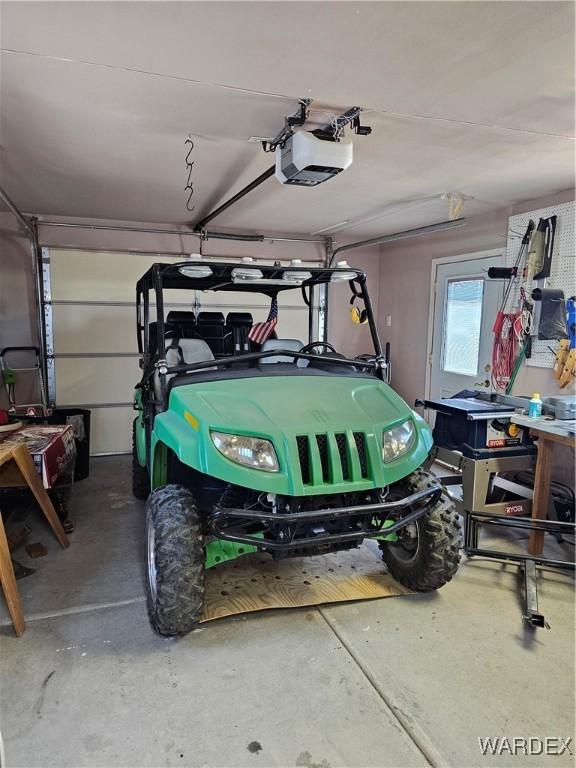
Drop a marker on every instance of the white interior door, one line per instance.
(465, 305)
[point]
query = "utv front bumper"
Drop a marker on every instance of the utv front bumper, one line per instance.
(283, 531)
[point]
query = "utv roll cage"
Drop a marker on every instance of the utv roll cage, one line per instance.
(244, 278)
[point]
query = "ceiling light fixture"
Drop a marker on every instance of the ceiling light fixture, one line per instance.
(391, 210)
(455, 203)
(455, 200)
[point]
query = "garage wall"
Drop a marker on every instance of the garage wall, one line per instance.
(405, 269)
(17, 304)
(348, 338)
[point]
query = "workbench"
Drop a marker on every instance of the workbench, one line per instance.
(486, 441)
(548, 432)
(37, 457)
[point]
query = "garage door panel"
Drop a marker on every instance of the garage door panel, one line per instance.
(175, 299)
(86, 276)
(86, 329)
(94, 313)
(112, 329)
(228, 300)
(96, 380)
(236, 302)
(111, 430)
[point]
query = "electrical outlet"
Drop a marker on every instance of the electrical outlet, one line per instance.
(388, 321)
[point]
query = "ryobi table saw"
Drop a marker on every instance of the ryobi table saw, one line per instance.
(474, 434)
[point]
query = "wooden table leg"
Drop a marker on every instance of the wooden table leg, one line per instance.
(541, 498)
(22, 457)
(9, 586)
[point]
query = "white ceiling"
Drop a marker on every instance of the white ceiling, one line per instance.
(469, 97)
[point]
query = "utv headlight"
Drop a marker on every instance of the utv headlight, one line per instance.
(255, 452)
(397, 441)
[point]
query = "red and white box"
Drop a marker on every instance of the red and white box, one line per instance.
(52, 448)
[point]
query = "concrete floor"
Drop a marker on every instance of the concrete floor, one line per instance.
(405, 681)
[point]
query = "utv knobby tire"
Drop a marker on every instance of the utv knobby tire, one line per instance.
(175, 594)
(439, 541)
(140, 476)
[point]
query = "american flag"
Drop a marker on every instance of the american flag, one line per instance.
(262, 331)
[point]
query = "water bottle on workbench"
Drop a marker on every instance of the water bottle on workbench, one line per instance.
(535, 406)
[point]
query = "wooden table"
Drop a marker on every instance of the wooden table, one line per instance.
(17, 470)
(548, 432)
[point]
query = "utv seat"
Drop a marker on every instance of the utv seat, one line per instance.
(185, 322)
(292, 344)
(210, 326)
(332, 367)
(170, 330)
(238, 325)
(180, 352)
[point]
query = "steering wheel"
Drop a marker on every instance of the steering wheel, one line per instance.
(314, 344)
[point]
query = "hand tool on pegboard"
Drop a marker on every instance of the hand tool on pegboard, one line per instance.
(568, 370)
(511, 328)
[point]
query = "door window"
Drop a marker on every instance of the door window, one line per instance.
(462, 326)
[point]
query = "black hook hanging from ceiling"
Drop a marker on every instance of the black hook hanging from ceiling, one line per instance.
(189, 184)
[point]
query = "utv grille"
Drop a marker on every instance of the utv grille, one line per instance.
(360, 440)
(341, 443)
(332, 458)
(304, 457)
(322, 441)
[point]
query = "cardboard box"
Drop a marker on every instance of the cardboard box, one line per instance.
(52, 448)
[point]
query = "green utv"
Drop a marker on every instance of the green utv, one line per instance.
(246, 442)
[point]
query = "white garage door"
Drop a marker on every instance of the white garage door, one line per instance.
(91, 332)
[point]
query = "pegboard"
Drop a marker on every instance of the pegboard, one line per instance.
(563, 268)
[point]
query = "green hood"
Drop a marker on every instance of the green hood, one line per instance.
(291, 412)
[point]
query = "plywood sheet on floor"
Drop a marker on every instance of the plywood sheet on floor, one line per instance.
(256, 582)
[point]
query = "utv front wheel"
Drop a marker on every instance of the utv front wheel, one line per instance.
(174, 560)
(426, 554)
(140, 476)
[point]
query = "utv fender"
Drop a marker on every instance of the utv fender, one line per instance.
(173, 434)
(171, 431)
(139, 433)
(140, 441)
